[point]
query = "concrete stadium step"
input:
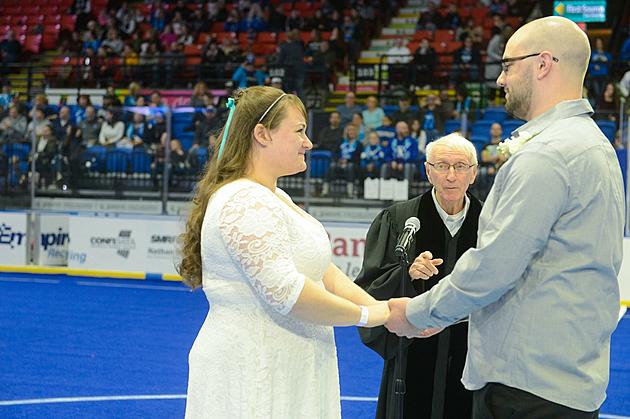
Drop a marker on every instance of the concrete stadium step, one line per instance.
(409, 11)
(404, 21)
(399, 31)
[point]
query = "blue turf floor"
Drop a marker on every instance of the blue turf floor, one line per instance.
(79, 338)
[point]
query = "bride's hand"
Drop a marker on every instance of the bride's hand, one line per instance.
(378, 314)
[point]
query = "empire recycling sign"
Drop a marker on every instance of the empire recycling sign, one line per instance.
(581, 11)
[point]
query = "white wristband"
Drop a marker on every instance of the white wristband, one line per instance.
(363, 321)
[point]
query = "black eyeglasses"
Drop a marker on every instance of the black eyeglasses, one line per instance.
(505, 61)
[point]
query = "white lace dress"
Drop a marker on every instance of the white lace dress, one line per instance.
(250, 359)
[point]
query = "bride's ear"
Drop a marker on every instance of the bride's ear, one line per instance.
(261, 135)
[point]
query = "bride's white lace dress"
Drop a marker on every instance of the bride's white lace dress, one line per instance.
(251, 360)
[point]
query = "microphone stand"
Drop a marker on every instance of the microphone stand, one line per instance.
(400, 387)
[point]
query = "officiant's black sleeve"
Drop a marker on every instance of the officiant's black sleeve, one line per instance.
(380, 277)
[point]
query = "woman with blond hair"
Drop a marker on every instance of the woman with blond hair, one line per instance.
(266, 348)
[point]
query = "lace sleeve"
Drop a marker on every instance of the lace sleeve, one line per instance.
(256, 237)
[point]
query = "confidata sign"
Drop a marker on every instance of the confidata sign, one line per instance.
(581, 11)
(13, 238)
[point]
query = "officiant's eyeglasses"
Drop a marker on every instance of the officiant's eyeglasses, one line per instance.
(506, 61)
(442, 167)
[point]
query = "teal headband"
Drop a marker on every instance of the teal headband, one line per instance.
(232, 108)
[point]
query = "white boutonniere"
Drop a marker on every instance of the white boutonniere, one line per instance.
(513, 144)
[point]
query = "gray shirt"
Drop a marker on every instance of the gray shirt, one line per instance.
(542, 283)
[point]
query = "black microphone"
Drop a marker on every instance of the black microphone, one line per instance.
(412, 225)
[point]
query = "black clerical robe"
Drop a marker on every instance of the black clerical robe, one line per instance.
(380, 276)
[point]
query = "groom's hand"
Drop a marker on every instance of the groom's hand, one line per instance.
(397, 322)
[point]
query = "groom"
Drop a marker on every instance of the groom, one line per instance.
(541, 286)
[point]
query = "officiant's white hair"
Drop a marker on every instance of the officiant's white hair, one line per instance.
(453, 142)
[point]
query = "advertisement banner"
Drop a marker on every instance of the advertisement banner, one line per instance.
(347, 241)
(13, 238)
(51, 240)
(123, 244)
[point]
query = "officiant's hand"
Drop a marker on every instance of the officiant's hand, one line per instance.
(424, 266)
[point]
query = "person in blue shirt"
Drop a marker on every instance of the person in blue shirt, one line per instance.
(598, 70)
(540, 291)
(386, 132)
(346, 165)
(401, 156)
(246, 75)
(372, 157)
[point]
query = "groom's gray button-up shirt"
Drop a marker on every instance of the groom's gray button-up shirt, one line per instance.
(542, 283)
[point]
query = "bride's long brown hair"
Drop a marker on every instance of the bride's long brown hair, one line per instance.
(250, 104)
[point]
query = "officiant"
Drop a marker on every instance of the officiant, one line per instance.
(448, 216)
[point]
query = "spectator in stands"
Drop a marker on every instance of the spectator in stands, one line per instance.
(463, 105)
(126, 20)
(83, 101)
(386, 132)
(6, 96)
(213, 61)
(135, 133)
(424, 61)
(35, 128)
(420, 135)
(89, 128)
(431, 116)
(401, 157)
(209, 126)
(113, 42)
(491, 159)
(13, 127)
(292, 56)
(467, 61)
(430, 19)
(317, 22)
(598, 69)
(294, 21)
(103, 67)
(276, 19)
(399, 52)
(373, 114)
(324, 62)
(372, 157)
(451, 19)
(404, 112)
(83, 10)
(465, 30)
(173, 61)
(155, 100)
(46, 153)
(231, 23)
(624, 52)
(357, 121)
(348, 108)
(347, 161)
(216, 10)
(131, 97)
(150, 62)
(330, 137)
(112, 129)
(494, 54)
(447, 104)
(90, 41)
(607, 105)
(158, 19)
(41, 101)
(247, 75)
(198, 96)
(64, 129)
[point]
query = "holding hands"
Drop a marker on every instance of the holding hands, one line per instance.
(398, 323)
